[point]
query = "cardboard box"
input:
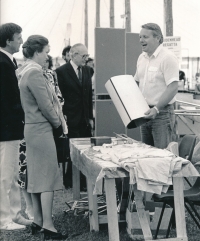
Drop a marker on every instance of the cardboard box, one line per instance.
(100, 140)
(128, 100)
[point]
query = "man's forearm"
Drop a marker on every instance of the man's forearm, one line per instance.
(168, 95)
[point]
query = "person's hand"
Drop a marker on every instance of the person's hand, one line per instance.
(91, 123)
(58, 132)
(198, 86)
(150, 114)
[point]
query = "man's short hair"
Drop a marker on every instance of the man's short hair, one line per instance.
(7, 31)
(155, 29)
(75, 48)
(66, 50)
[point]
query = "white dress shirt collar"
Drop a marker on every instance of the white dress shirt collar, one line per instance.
(75, 67)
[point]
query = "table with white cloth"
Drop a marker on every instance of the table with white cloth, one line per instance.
(149, 168)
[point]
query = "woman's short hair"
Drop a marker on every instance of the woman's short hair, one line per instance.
(34, 43)
(7, 31)
(155, 29)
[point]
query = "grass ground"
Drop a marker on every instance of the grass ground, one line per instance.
(78, 226)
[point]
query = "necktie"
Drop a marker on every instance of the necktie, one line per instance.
(79, 74)
(15, 63)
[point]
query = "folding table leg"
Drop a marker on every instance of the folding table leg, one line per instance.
(193, 208)
(160, 219)
(113, 227)
(170, 223)
(93, 211)
(76, 183)
(179, 207)
(142, 214)
(192, 215)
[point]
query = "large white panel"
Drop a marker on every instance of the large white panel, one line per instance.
(127, 99)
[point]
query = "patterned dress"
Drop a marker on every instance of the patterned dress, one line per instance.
(22, 165)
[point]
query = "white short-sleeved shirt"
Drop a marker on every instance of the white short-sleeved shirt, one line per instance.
(155, 73)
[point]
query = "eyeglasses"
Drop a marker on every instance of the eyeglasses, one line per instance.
(84, 56)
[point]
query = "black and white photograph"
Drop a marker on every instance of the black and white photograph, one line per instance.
(99, 120)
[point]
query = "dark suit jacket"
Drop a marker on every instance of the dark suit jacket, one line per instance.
(78, 99)
(12, 115)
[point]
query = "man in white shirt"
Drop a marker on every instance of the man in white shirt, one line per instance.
(157, 74)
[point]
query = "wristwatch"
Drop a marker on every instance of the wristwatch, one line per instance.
(156, 109)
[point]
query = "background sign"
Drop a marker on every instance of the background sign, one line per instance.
(173, 43)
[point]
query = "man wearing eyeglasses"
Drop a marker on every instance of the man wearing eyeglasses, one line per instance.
(74, 80)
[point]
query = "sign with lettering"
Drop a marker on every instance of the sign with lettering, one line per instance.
(173, 43)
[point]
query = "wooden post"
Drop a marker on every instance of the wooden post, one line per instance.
(168, 18)
(0, 12)
(168, 31)
(128, 15)
(97, 13)
(86, 23)
(112, 14)
(68, 34)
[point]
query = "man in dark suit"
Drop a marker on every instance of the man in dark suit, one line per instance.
(74, 80)
(11, 128)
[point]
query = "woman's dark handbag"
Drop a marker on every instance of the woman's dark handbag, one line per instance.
(62, 147)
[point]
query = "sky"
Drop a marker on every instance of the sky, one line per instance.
(50, 18)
